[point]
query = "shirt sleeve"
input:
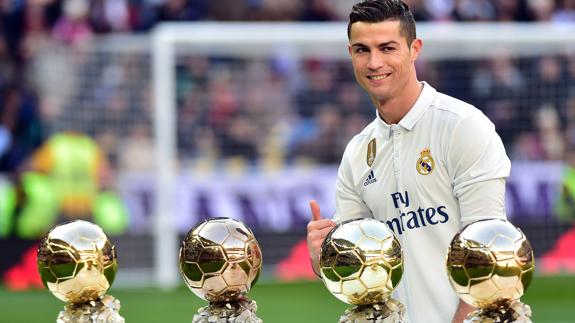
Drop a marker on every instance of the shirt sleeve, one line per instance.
(478, 166)
(348, 203)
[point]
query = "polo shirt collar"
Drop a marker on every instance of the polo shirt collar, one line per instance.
(424, 100)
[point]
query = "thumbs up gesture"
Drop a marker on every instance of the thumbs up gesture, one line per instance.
(317, 230)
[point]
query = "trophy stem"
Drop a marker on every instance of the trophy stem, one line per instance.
(102, 310)
(505, 311)
(239, 311)
(390, 311)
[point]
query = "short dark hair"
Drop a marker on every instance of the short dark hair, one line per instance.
(374, 11)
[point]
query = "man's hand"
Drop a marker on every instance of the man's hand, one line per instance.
(461, 313)
(317, 230)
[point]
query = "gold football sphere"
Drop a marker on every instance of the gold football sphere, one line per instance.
(220, 259)
(361, 261)
(490, 261)
(77, 262)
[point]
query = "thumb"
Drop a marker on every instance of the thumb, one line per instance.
(315, 214)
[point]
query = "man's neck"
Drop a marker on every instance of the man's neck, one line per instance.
(394, 109)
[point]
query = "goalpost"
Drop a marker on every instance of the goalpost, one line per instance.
(296, 41)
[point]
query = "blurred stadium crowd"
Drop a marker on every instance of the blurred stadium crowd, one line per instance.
(316, 106)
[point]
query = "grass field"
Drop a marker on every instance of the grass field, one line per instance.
(551, 298)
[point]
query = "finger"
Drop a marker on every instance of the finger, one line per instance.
(319, 235)
(320, 224)
(315, 214)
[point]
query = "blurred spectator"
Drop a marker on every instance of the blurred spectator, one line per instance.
(111, 16)
(220, 10)
(549, 86)
(7, 68)
(511, 10)
(278, 10)
(183, 10)
(498, 88)
(239, 139)
(11, 28)
(67, 177)
(549, 132)
(474, 10)
(325, 144)
(223, 97)
(319, 89)
(352, 100)
(527, 147)
(73, 28)
(455, 78)
(136, 155)
(565, 12)
(418, 10)
(541, 10)
(21, 127)
(191, 122)
(440, 10)
(318, 10)
(571, 73)
(570, 129)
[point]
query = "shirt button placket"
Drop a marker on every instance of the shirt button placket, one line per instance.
(396, 151)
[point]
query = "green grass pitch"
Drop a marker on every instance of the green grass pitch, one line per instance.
(552, 300)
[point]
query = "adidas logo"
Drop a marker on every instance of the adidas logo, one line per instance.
(370, 179)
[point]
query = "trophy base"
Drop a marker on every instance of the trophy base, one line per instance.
(501, 312)
(241, 311)
(390, 311)
(103, 310)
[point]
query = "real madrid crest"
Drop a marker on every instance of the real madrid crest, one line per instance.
(425, 164)
(371, 152)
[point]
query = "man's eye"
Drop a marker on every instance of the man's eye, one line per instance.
(387, 49)
(361, 50)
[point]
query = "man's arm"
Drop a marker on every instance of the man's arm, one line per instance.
(479, 166)
(461, 313)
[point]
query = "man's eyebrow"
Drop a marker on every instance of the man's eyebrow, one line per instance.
(391, 42)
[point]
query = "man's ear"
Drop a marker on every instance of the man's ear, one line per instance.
(415, 48)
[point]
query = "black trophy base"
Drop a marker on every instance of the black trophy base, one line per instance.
(501, 312)
(391, 311)
(102, 310)
(241, 311)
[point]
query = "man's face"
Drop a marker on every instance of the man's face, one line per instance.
(381, 58)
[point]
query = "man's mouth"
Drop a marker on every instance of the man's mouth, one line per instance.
(378, 77)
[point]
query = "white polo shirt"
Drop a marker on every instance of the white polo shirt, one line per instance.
(443, 166)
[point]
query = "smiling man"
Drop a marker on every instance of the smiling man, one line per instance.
(427, 165)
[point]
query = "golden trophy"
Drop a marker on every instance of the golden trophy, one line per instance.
(361, 263)
(78, 263)
(490, 265)
(220, 260)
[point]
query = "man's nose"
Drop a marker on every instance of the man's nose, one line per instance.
(375, 61)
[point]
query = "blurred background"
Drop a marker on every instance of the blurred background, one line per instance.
(253, 131)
